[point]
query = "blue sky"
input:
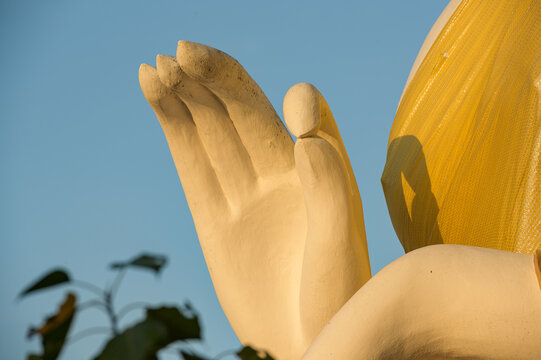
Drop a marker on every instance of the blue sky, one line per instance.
(86, 177)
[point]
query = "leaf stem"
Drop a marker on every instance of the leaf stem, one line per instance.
(87, 332)
(108, 297)
(116, 283)
(94, 303)
(88, 286)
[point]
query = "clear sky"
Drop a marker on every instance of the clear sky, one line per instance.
(86, 177)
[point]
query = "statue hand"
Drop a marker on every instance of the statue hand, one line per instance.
(280, 224)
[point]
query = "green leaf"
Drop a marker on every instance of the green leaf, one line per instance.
(161, 327)
(181, 324)
(52, 278)
(34, 357)
(145, 261)
(191, 356)
(53, 333)
(249, 353)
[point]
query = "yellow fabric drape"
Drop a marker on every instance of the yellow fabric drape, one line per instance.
(463, 159)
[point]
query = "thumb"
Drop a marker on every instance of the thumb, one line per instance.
(335, 260)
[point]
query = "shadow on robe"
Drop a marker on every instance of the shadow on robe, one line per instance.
(408, 192)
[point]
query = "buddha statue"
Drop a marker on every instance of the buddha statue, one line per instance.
(280, 221)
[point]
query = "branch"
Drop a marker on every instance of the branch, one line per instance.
(89, 287)
(88, 332)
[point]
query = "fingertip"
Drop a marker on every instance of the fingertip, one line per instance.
(145, 70)
(302, 110)
(152, 87)
(197, 60)
(169, 71)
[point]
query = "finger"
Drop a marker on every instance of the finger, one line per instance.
(335, 258)
(263, 134)
(302, 110)
(203, 191)
(227, 154)
(307, 113)
(334, 210)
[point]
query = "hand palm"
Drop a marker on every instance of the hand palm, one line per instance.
(272, 217)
